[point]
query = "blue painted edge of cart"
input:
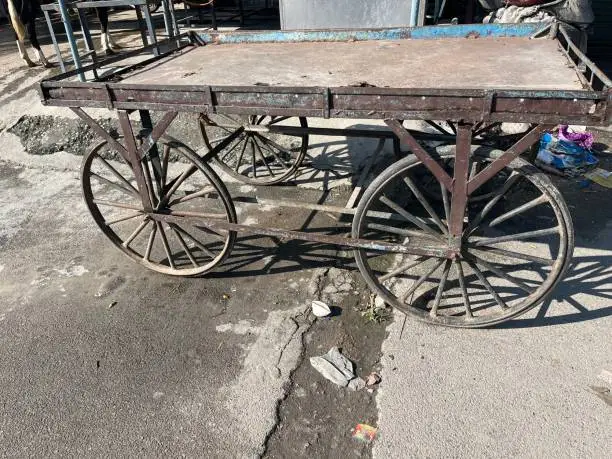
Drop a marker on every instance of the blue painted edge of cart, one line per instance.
(398, 33)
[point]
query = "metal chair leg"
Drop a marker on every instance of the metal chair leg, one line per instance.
(54, 40)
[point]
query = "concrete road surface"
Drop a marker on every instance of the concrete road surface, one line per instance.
(99, 357)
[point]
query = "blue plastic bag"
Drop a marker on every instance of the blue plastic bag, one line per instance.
(565, 156)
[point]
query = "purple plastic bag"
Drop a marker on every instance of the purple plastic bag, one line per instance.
(582, 139)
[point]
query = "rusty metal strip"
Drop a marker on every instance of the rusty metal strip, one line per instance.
(156, 133)
(431, 164)
(488, 104)
(216, 224)
(134, 159)
(515, 150)
(209, 100)
(459, 195)
(93, 124)
(109, 97)
(327, 102)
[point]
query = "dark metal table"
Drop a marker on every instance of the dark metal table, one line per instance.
(461, 232)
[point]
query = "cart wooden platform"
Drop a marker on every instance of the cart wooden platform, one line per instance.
(459, 232)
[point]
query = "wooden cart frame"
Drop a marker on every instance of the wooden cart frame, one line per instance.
(462, 173)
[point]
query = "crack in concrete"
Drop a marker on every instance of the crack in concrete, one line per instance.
(315, 290)
(288, 385)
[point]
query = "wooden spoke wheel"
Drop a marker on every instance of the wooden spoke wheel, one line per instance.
(169, 239)
(256, 156)
(516, 244)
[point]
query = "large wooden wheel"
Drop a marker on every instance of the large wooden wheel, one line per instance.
(256, 156)
(179, 184)
(515, 247)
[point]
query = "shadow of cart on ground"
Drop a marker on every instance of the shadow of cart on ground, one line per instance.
(584, 294)
(588, 276)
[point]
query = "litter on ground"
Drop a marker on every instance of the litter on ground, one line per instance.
(565, 157)
(373, 379)
(365, 433)
(601, 177)
(335, 367)
(320, 309)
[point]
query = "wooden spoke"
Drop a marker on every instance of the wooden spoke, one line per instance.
(176, 183)
(440, 291)
(437, 127)
(508, 184)
(271, 150)
(136, 232)
(197, 243)
(253, 159)
(432, 213)
(274, 144)
(402, 231)
(421, 279)
(116, 173)
(512, 213)
(279, 119)
(408, 216)
(158, 173)
(122, 219)
(500, 273)
(165, 159)
(121, 205)
(188, 197)
(240, 140)
(244, 145)
(464, 292)
(147, 255)
(512, 254)
(113, 184)
(402, 269)
(263, 158)
(390, 229)
(164, 239)
(516, 237)
(483, 280)
(183, 245)
(147, 175)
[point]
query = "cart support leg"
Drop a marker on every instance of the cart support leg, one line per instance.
(405, 137)
(514, 151)
(147, 125)
(460, 181)
(134, 159)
